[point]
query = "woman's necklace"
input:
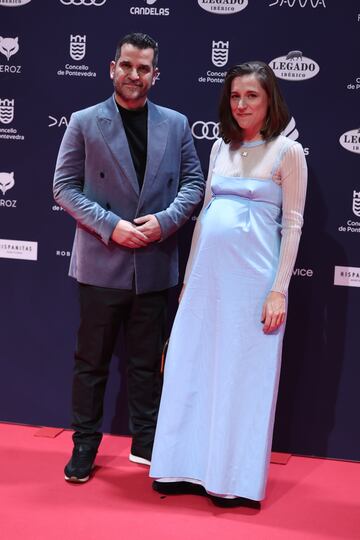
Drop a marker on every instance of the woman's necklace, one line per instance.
(244, 153)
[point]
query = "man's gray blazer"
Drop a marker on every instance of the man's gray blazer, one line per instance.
(95, 181)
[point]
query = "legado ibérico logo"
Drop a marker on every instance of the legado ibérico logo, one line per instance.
(351, 140)
(13, 3)
(223, 7)
(294, 67)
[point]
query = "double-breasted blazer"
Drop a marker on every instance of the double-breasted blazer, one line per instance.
(95, 181)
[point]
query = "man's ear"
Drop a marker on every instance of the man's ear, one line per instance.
(156, 76)
(112, 69)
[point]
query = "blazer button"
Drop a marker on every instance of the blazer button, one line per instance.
(102, 175)
(108, 206)
(170, 181)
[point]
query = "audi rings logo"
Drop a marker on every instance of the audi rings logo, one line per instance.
(205, 130)
(96, 3)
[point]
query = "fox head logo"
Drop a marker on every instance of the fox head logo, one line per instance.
(9, 46)
(6, 181)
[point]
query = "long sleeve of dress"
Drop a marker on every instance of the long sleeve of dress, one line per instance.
(293, 172)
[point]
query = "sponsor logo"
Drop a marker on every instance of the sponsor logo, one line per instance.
(77, 53)
(352, 226)
(57, 208)
(294, 67)
(6, 111)
(292, 133)
(63, 253)
(223, 7)
(7, 181)
(351, 140)
(213, 77)
(205, 130)
(14, 3)
(219, 57)
(303, 272)
(77, 47)
(7, 108)
(58, 122)
(9, 46)
(355, 85)
(96, 3)
(298, 3)
(347, 276)
(144, 10)
(18, 249)
(220, 53)
(356, 203)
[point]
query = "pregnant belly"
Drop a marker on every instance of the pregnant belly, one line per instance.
(241, 230)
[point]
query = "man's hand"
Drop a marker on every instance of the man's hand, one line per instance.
(126, 234)
(149, 226)
(273, 312)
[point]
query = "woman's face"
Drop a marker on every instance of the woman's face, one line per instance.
(249, 104)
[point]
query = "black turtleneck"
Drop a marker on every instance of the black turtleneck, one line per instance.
(135, 125)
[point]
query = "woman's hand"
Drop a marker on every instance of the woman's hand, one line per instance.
(273, 312)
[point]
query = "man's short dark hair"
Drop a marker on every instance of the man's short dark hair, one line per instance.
(141, 41)
(277, 116)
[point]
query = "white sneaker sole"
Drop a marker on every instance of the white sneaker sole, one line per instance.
(76, 480)
(139, 460)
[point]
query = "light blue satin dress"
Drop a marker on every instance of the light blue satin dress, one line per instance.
(221, 378)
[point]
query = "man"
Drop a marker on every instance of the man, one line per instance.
(128, 172)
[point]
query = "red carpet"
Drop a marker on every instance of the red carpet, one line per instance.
(306, 499)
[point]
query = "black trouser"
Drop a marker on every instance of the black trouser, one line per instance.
(102, 312)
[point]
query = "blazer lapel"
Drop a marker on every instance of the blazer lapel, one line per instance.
(112, 129)
(158, 128)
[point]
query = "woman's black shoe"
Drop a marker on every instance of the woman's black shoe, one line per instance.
(178, 488)
(235, 502)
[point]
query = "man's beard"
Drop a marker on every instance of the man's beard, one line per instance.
(130, 92)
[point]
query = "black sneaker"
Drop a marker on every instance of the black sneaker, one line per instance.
(81, 463)
(139, 454)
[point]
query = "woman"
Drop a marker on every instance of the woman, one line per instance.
(217, 410)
